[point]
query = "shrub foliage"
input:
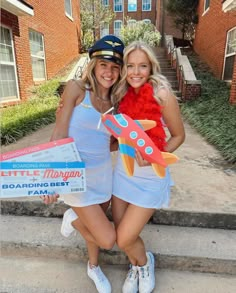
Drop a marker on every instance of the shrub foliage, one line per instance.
(26, 117)
(212, 115)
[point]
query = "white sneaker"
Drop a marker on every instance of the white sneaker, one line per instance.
(68, 218)
(147, 275)
(100, 280)
(131, 281)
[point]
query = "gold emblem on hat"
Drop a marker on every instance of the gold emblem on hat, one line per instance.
(113, 44)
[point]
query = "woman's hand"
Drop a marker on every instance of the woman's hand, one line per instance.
(48, 199)
(139, 159)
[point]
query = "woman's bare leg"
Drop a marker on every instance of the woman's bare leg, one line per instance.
(79, 226)
(130, 221)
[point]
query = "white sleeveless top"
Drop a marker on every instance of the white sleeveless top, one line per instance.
(94, 148)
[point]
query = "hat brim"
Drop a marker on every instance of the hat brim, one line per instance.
(111, 59)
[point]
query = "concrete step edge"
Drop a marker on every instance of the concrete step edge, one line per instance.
(193, 249)
(163, 217)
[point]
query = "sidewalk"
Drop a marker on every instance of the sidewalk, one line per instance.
(204, 182)
(191, 253)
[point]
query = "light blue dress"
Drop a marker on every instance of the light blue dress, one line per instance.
(144, 189)
(94, 148)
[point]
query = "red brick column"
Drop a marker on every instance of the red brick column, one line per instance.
(191, 90)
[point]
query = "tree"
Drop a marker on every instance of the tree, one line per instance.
(92, 15)
(185, 16)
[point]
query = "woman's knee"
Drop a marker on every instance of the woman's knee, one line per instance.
(108, 241)
(123, 242)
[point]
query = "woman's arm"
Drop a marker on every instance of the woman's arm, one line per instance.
(71, 96)
(172, 118)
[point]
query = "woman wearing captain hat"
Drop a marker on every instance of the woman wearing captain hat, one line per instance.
(79, 120)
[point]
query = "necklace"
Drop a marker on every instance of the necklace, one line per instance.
(86, 105)
(103, 99)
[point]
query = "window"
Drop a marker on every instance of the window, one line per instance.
(131, 23)
(37, 55)
(230, 54)
(118, 5)
(68, 8)
(105, 2)
(206, 4)
(146, 5)
(104, 29)
(117, 27)
(147, 21)
(132, 5)
(8, 81)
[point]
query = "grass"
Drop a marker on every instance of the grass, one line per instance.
(212, 115)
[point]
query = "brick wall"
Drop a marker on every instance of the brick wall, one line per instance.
(211, 33)
(61, 38)
(61, 34)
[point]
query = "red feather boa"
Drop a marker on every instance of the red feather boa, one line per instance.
(144, 106)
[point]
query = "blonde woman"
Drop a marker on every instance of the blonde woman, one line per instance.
(143, 93)
(83, 103)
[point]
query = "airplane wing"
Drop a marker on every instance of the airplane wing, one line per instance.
(146, 124)
(127, 155)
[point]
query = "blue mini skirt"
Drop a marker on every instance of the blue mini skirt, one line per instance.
(144, 189)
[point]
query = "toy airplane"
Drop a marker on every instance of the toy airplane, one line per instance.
(131, 135)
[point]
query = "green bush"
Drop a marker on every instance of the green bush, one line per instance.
(88, 40)
(212, 115)
(45, 90)
(140, 30)
(26, 117)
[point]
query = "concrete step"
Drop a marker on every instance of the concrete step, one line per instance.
(178, 248)
(171, 216)
(167, 72)
(44, 275)
(164, 63)
(171, 78)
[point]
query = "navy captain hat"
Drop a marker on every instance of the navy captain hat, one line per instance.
(109, 48)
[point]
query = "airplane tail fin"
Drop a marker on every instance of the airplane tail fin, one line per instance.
(159, 170)
(127, 155)
(128, 164)
(169, 158)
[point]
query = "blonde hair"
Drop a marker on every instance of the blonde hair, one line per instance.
(89, 80)
(156, 79)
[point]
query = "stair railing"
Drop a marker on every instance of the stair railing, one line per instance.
(81, 68)
(181, 80)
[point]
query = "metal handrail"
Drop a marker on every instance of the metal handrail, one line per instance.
(80, 69)
(182, 79)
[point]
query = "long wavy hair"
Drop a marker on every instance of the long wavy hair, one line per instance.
(89, 81)
(156, 79)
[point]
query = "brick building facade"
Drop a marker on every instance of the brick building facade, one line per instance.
(38, 38)
(135, 10)
(215, 40)
(152, 11)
